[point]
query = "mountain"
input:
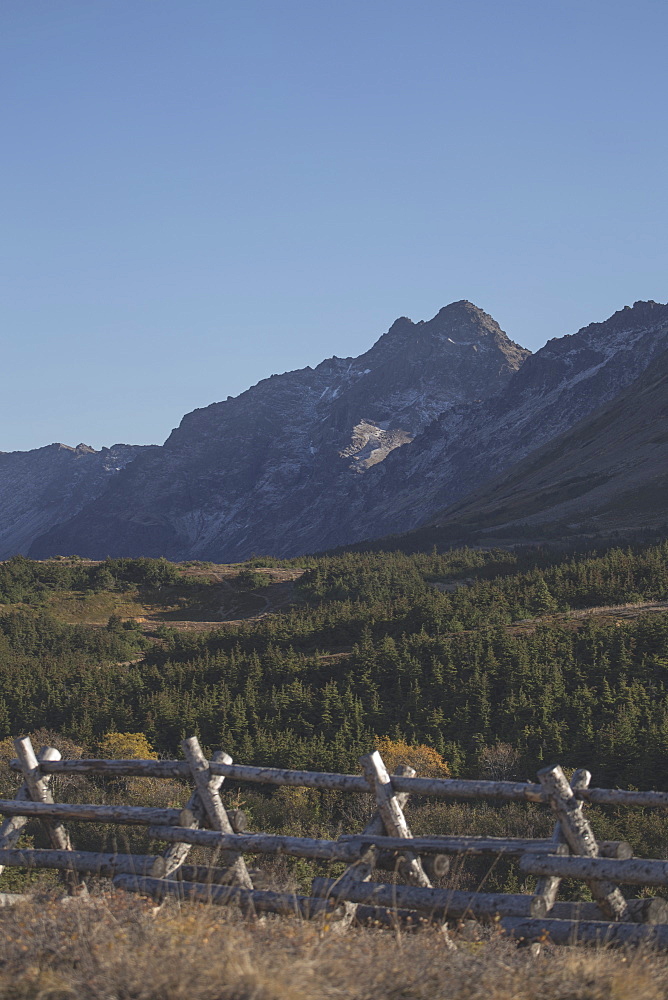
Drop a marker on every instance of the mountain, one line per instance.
(467, 446)
(358, 447)
(248, 474)
(42, 488)
(607, 473)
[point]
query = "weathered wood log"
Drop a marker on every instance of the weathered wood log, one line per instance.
(79, 861)
(586, 932)
(362, 869)
(458, 845)
(548, 885)
(580, 838)
(260, 843)
(634, 871)
(39, 790)
(237, 818)
(392, 815)
(176, 854)
(216, 875)
(649, 910)
(132, 768)
(12, 828)
(435, 865)
(444, 903)
(133, 815)
(207, 788)
(457, 788)
(250, 900)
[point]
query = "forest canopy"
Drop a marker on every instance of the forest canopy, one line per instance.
(461, 653)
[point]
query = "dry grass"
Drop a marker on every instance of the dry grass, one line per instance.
(117, 947)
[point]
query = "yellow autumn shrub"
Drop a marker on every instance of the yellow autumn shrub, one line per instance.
(427, 762)
(126, 746)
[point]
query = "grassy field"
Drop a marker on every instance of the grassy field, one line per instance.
(116, 947)
(206, 595)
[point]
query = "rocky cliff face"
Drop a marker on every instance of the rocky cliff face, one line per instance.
(42, 488)
(247, 475)
(354, 449)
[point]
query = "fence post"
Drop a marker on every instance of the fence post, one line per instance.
(176, 854)
(392, 813)
(547, 886)
(213, 806)
(12, 828)
(38, 788)
(580, 838)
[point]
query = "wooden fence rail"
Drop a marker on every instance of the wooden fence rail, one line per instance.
(443, 788)
(386, 843)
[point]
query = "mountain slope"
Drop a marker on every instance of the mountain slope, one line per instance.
(41, 488)
(275, 468)
(467, 446)
(609, 472)
(356, 448)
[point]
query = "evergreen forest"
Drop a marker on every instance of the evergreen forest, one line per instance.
(498, 661)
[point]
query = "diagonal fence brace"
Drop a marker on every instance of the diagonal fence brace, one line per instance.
(392, 814)
(580, 837)
(39, 791)
(12, 828)
(547, 886)
(207, 790)
(193, 818)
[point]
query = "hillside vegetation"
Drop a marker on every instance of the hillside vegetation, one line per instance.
(461, 651)
(471, 663)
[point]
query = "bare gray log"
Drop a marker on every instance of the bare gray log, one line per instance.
(392, 815)
(133, 815)
(458, 845)
(39, 791)
(79, 861)
(216, 875)
(361, 870)
(130, 768)
(620, 849)
(457, 788)
(207, 788)
(580, 838)
(260, 843)
(11, 829)
(650, 910)
(443, 903)
(251, 900)
(586, 932)
(176, 854)
(548, 885)
(435, 865)
(634, 871)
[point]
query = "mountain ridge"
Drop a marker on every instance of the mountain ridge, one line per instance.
(356, 447)
(235, 474)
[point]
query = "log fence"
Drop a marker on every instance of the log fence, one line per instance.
(386, 844)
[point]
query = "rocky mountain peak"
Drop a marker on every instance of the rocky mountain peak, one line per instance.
(456, 330)
(354, 448)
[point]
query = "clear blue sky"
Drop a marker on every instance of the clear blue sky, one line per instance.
(197, 194)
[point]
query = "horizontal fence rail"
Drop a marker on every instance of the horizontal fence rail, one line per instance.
(445, 788)
(386, 843)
